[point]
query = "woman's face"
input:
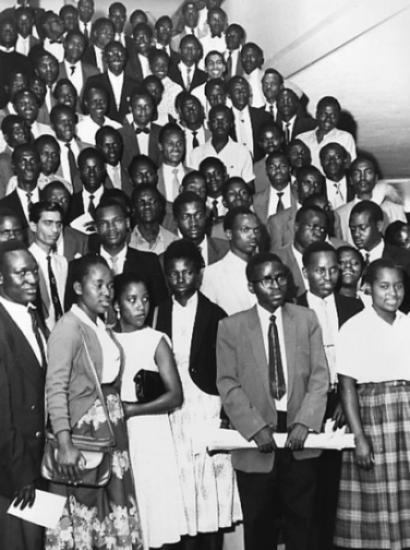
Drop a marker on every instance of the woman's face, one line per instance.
(387, 291)
(133, 306)
(95, 291)
(350, 268)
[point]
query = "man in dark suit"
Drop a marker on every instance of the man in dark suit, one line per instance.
(10, 60)
(186, 73)
(321, 271)
(247, 120)
(272, 83)
(72, 67)
(117, 13)
(137, 63)
(290, 115)
(22, 376)
(163, 35)
(24, 17)
(268, 384)
(109, 141)
(118, 85)
(102, 33)
(234, 38)
(142, 135)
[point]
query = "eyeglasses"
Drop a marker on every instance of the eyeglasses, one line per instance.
(318, 228)
(269, 280)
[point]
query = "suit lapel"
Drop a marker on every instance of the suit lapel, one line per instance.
(258, 348)
(290, 337)
(199, 330)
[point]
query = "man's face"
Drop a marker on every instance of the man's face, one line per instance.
(287, 103)
(97, 103)
(164, 31)
(237, 194)
(49, 158)
(112, 226)
(70, 20)
(327, 117)
(74, 48)
(215, 176)
(19, 134)
(142, 41)
(27, 107)
(27, 167)
(309, 184)
(142, 110)
(60, 196)
(18, 82)
(159, 67)
(147, 206)
(10, 229)
(190, 15)
(8, 34)
(118, 17)
(233, 38)
(115, 58)
(173, 147)
(24, 24)
(191, 112)
(64, 126)
(86, 10)
(271, 85)
(38, 87)
(191, 221)
(363, 177)
(19, 277)
(190, 51)
(66, 96)
(103, 35)
(48, 229)
(366, 232)
(47, 69)
(322, 273)
(239, 93)
(197, 185)
(92, 173)
(299, 155)
(220, 123)
(144, 172)
(111, 147)
(271, 140)
(250, 58)
(312, 228)
(216, 22)
(215, 66)
(278, 172)
(182, 277)
(270, 285)
(216, 95)
(245, 234)
(334, 162)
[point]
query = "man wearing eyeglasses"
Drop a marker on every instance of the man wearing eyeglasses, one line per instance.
(273, 377)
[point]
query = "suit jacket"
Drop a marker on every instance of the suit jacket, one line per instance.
(261, 203)
(202, 357)
(6, 171)
(302, 124)
(87, 69)
(198, 77)
(21, 409)
(281, 226)
(89, 57)
(243, 378)
(133, 68)
(74, 242)
(258, 118)
(169, 221)
(346, 307)
(131, 147)
(288, 258)
(217, 248)
(102, 80)
(126, 184)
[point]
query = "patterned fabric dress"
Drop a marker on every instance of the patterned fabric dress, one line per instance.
(374, 505)
(105, 518)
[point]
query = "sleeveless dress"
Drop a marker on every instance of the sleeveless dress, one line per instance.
(152, 450)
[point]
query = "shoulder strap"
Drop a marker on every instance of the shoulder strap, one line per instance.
(98, 387)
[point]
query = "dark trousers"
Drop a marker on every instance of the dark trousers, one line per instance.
(282, 499)
(16, 534)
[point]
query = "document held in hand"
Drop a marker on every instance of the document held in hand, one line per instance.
(46, 510)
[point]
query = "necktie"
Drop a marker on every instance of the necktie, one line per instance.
(329, 341)
(91, 207)
(115, 266)
(71, 162)
(271, 111)
(193, 31)
(276, 376)
(72, 69)
(29, 196)
(287, 132)
(214, 210)
(280, 206)
(37, 335)
(195, 142)
(58, 311)
(175, 183)
(229, 64)
(141, 131)
(338, 191)
(366, 258)
(188, 78)
(86, 34)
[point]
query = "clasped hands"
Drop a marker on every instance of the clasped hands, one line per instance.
(295, 440)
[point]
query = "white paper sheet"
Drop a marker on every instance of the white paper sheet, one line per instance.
(46, 510)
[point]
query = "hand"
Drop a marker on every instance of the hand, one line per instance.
(69, 459)
(130, 408)
(338, 416)
(25, 496)
(297, 437)
(264, 440)
(364, 453)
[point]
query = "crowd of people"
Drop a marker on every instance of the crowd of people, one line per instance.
(171, 211)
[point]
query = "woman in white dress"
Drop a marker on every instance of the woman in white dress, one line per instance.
(151, 445)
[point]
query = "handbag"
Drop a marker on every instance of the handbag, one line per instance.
(148, 386)
(95, 466)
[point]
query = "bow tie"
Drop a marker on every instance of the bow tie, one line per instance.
(216, 35)
(142, 131)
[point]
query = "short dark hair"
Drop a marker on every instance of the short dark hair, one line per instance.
(9, 246)
(89, 152)
(373, 209)
(235, 80)
(22, 148)
(328, 100)
(60, 109)
(55, 184)
(156, 53)
(214, 52)
(270, 70)
(115, 198)
(214, 82)
(316, 248)
(74, 32)
(259, 259)
(372, 270)
(141, 158)
(393, 231)
(87, 93)
(123, 280)
(231, 216)
(186, 197)
(304, 209)
(348, 248)
(107, 131)
(159, 196)
(328, 146)
(80, 267)
(64, 82)
(46, 139)
(168, 128)
(6, 212)
(231, 181)
(9, 121)
(211, 161)
(185, 249)
(142, 27)
(37, 208)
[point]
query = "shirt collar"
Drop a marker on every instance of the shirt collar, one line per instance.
(265, 315)
(313, 299)
(191, 304)
(122, 254)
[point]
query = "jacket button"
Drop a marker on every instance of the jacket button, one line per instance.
(32, 407)
(38, 434)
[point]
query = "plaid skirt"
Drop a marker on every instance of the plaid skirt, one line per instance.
(104, 518)
(374, 505)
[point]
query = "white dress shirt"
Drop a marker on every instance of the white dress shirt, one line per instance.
(55, 49)
(369, 349)
(20, 315)
(142, 139)
(288, 126)
(189, 136)
(59, 265)
(97, 197)
(183, 318)
(116, 85)
(65, 165)
(22, 45)
(264, 319)
(336, 192)
(274, 110)
(76, 77)
(87, 128)
(274, 199)
(187, 74)
(225, 284)
(375, 253)
(114, 173)
(211, 43)
(325, 309)
(255, 82)
(116, 263)
(222, 210)
(298, 257)
(163, 240)
(171, 186)
(99, 58)
(338, 136)
(24, 199)
(146, 71)
(243, 127)
(167, 104)
(203, 247)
